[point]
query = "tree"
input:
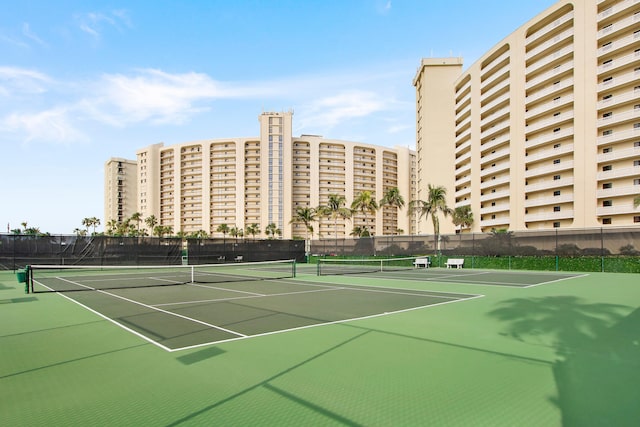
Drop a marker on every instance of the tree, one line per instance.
(236, 232)
(393, 199)
(365, 204)
(305, 215)
(162, 230)
(224, 229)
(151, 221)
(462, 217)
(112, 226)
(335, 209)
(137, 218)
(253, 229)
(636, 202)
(272, 230)
(359, 232)
(436, 203)
(80, 232)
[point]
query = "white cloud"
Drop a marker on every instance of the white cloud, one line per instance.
(93, 23)
(27, 32)
(52, 126)
(159, 97)
(14, 80)
(329, 111)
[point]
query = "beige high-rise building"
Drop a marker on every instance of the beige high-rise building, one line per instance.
(120, 189)
(543, 131)
(200, 185)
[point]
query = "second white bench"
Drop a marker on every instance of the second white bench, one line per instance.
(455, 262)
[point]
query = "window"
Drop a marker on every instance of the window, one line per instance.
(636, 218)
(636, 163)
(606, 97)
(556, 224)
(556, 193)
(606, 221)
(607, 80)
(607, 150)
(556, 161)
(556, 146)
(556, 208)
(607, 115)
(607, 132)
(636, 144)
(636, 181)
(607, 185)
(556, 130)
(556, 177)
(607, 168)
(607, 203)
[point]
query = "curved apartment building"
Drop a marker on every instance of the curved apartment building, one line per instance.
(200, 185)
(543, 131)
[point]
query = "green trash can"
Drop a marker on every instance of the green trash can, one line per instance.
(22, 276)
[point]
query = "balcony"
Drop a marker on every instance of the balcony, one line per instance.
(495, 222)
(504, 83)
(549, 184)
(505, 152)
(488, 69)
(624, 98)
(617, 45)
(621, 209)
(551, 74)
(615, 64)
(618, 25)
(549, 106)
(549, 154)
(615, 8)
(496, 115)
(619, 136)
(550, 169)
(549, 216)
(549, 44)
(549, 27)
(552, 89)
(619, 173)
(495, 195)
(498, 141)
(618, 118)
(565, 52)
(500, 207)
(628, 190)
(492, 170)
(551, 200)
(546, 138)
(494, 182)
(550, 122)
(495, 129)
(499, 100)
(626, 153)
(464, 192)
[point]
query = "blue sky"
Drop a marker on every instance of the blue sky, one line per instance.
(83, 81)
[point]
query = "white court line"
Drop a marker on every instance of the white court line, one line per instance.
(161, 310)
(322, 324)
(245, 297)
(557, 280)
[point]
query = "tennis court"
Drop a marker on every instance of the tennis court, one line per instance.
(403, 347)
(219, 303)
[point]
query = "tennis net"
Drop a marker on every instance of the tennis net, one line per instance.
(57, 278)
(331, 266)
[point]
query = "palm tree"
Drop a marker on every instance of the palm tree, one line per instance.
(306, 216)
(636, 202)
(272, 230)
(80, 232)
(393, 199)
(436, 203)
(335, 209)
(137, 218)
(224, 229)
(253, 229)
(112, 226)
(151, 221)
(87, 223)
(462, 217)
(359, 232)
(365, 203)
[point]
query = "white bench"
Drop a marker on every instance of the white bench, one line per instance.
(422, 262)
(455, 262)
(238, 258)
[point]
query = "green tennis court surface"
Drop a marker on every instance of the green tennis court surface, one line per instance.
(535, 349)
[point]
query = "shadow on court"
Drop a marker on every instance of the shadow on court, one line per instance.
(597, 371)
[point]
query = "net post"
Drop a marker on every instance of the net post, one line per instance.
(193, 274)
(293, 267)
(28, 284)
